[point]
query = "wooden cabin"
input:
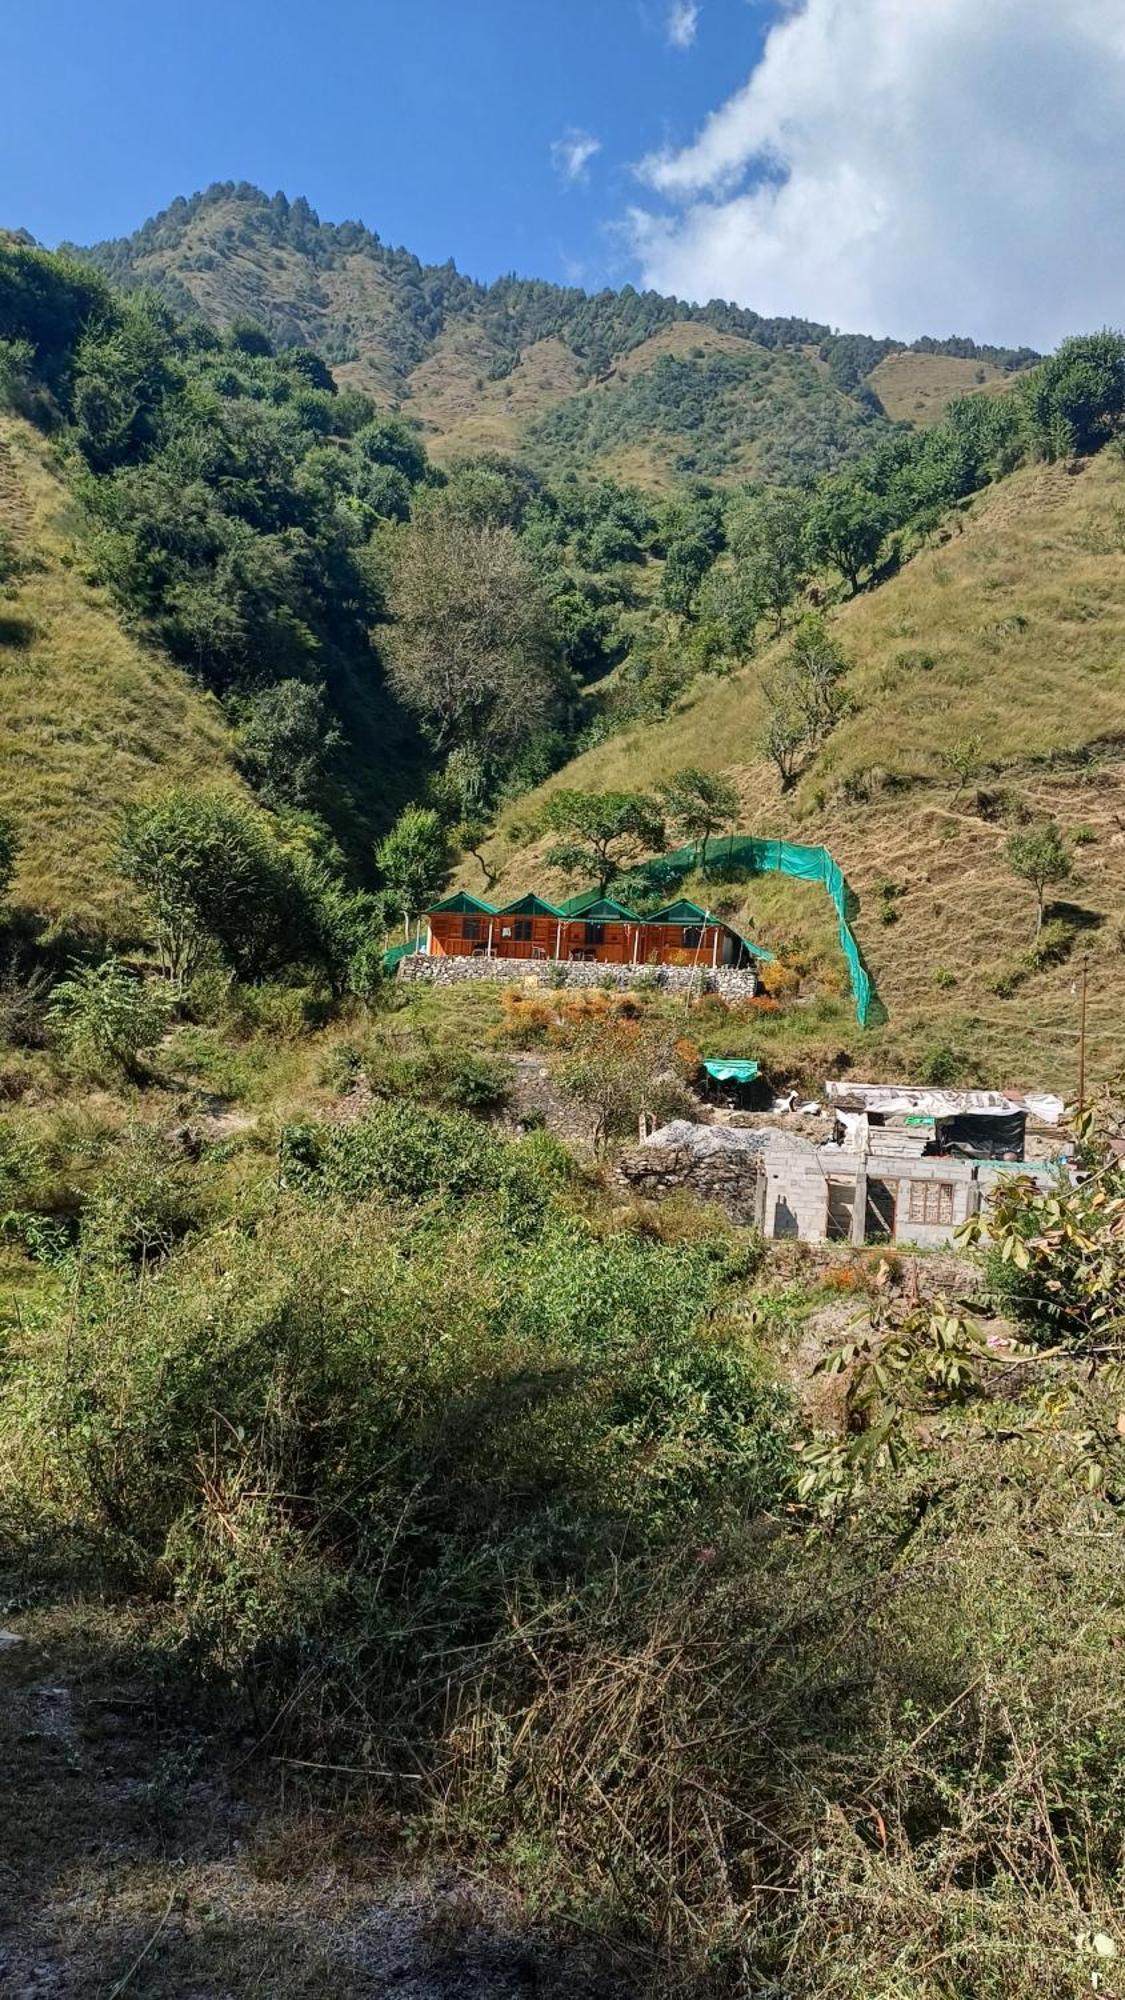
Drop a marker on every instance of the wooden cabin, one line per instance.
(594, 930)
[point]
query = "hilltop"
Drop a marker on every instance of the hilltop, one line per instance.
(633, 384)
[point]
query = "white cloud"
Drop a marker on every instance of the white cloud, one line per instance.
(571, 155)
(682, 22)
(908, 167)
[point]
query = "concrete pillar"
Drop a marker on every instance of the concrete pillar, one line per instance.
(859, 1207)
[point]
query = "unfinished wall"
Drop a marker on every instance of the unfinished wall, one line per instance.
(789, 1188)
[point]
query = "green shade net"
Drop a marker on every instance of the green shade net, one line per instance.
(804, 864)
(732, 1072)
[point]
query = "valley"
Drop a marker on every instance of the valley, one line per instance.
(493, 1498)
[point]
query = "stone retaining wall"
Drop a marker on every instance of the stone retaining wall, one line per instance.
(732, 1181)
(724, 979)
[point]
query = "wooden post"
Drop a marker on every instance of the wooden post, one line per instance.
(1082, 1040)
(490, 930)
(558, 945)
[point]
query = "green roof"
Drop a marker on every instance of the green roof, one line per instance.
(684, 912)
(461, 905)
(731, 1071)
(530, 906)
(600, 910)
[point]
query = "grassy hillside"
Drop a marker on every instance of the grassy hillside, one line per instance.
(916, 388)
(1010, 630)
(525, 363)
(90, 719)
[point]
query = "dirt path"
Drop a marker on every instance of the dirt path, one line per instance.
(132, 1864)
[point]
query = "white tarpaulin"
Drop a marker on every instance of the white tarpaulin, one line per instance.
(889, 1099)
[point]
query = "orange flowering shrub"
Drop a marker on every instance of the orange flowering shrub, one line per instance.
(779, 979)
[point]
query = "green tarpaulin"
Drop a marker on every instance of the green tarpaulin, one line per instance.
(732, 1072)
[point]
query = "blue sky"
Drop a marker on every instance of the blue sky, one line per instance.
(889, 166)
(433, 120)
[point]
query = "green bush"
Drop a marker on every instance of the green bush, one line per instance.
(104, 1016)
(416, 1422)
(941, 1066)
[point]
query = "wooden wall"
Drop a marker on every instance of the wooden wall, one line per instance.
(456, 936)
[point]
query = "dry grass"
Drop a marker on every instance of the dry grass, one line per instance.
(90, 718)
(465, 413)
(1011, 631)
(917, 388)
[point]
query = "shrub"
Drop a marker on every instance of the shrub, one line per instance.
(105, 1017)
(1053, 945)
(418, 1430)
(23, 1007)
(942, 1066)
(406, 1155)
(780, 981)
(888, 894)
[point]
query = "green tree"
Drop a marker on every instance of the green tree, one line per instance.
(727, 612)
(414, 859)
(1039, 856)
(685, 566)
(285, 739)
(766, 533)
(124, 382)
(804, 695)
(104, 1016)
(783, 739)
(618, 1070)
(338, 930)
(214, 877)
(1074, 402)
(847, 526)
(698, 804)
(473, 650)
(603, 833)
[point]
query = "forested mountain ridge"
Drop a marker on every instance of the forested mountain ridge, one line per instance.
(633, 384)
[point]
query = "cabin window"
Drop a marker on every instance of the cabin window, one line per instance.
(931, 1202)
(593, 934)
(470, 929)
(693, 937)
(521, 930)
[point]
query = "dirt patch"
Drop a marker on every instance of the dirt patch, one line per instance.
(133, 1859)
